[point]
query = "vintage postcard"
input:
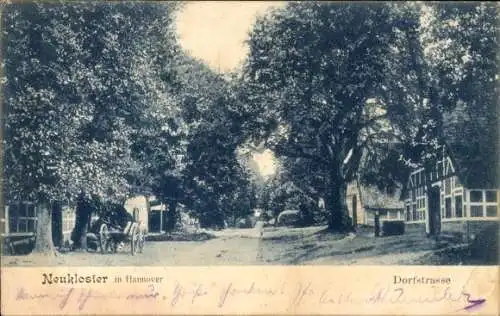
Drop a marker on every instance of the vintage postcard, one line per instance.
(267, 158)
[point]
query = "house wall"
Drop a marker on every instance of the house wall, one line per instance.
(415, 228)
(353, 191)
(388, 215)
(458, 204)
(467, 230)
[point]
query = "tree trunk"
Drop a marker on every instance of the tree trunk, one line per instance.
(79, 234)
(57, 235)
(43, 240)
(336, 204)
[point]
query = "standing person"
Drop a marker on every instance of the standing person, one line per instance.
(377, 224)
(259, 228)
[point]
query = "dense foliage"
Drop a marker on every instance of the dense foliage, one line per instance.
(320, 69)
(101, 103)
(372, 90)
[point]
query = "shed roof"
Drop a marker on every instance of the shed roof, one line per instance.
(372, 197)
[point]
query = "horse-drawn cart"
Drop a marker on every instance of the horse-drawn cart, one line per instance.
(111, 236)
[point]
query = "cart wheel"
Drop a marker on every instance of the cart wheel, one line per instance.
(133, 239)
(141, 239)
(104, 238)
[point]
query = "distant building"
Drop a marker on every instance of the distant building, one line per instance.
(367, 202)
(153, 214)
(138, 206)
(288, 218)
(148, 210)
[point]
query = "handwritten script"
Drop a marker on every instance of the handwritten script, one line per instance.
(295, 295)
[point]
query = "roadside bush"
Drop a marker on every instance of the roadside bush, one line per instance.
(485, 246)
(201, 236)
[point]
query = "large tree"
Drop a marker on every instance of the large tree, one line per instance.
(198, 165)
(75, 91)
(445, 77)
(318, 71)
(353, 88)
(460, 53)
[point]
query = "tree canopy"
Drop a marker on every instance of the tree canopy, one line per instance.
(79, 78)
(371, 90)
(100, 102)
(320, 70)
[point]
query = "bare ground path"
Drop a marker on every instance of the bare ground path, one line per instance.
(231, 247)
(277, 246)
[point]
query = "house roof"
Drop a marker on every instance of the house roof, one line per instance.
(474, 145)
(476, 171)
(374, 198)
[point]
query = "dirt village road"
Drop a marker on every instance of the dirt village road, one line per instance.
(276, 246)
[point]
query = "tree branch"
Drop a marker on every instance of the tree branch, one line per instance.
(300, 153)
(371, 120)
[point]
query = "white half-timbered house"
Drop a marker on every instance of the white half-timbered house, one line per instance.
(439, 201)
(19, 220)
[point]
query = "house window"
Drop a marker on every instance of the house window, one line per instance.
(408, 213)
(414, 212)
(491, 211)
(447, 207)
(483, 203)
(420, 215)
(22, 218)
(447, 187)
(491, 196)
(476, 210)
(458, 206)
(476, 196)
